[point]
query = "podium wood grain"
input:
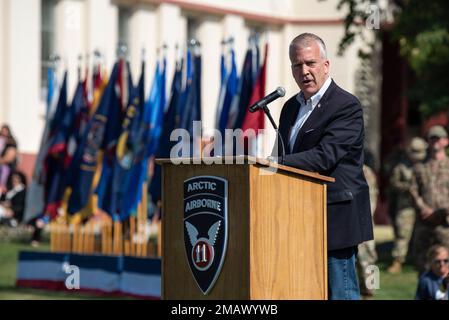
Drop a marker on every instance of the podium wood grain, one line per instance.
(288, 255)
(277, 234)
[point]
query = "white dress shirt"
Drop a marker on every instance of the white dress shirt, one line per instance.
(305, 109)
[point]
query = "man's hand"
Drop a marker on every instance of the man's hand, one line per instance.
(426, 213)
(437, 217)
(273, 159)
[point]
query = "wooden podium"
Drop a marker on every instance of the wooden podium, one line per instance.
(276, 243)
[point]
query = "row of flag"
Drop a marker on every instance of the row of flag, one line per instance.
(96, 151)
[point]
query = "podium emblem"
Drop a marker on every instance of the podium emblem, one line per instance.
(205, 228)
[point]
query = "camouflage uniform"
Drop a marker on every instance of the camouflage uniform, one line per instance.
(404, 211)
(430, 189)
(367, 254)
(404, 217)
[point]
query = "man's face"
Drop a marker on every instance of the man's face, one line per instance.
(436, 143)
(309, 68)
(440, 264)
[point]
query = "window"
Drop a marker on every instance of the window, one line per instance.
(48, 41)
(192, 28)
(124, 16)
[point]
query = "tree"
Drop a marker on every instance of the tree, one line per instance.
(422, 30)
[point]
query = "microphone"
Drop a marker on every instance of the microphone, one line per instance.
(262, 104)
(279, 92)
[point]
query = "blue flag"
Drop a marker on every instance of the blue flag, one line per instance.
(127, 144)
(85, 160)
(113, 174)
(156, 105)
(35, 197)
(126, 155)
(222, 91)
(247, 81)
(191, 100)
(171, 118)
(61, 107)
(230, 92)
(80, 112)
(241, 100)
(54, 163)
(50, 89)
(192, 109)
(182, 107)
(150, 124)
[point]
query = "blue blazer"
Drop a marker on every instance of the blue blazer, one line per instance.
(330, 142)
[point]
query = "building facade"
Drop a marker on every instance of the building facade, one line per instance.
(32, 30)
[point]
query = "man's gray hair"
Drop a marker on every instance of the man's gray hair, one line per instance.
(304, 40)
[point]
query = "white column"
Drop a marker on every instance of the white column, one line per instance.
(143, 36)
(70, 30)
(102, 29)
(21, 57)
(209, 35)
(3, 24)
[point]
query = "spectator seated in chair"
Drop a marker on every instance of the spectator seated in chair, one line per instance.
(433, 284)
(12, 203)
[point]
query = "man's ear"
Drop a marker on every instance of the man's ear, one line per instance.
(326, 66)
(445, 142)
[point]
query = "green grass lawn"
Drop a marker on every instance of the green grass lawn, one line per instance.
(392, 287)
(395, 286)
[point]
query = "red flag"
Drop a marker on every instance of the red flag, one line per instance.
(256, 120)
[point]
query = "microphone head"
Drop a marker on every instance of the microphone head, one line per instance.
(280, 91)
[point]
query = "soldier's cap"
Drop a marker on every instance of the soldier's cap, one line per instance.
(436, 132)
(417, 148)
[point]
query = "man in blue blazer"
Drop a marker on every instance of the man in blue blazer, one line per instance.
(323, 130)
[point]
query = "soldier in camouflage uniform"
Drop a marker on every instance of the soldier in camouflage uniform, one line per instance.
(430, 191)
(404, 215)
(367, 254)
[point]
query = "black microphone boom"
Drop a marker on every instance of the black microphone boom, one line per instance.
(279, 92)
(262, 104)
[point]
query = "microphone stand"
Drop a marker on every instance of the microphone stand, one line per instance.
(268, 113)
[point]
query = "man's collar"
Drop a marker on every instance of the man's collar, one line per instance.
(317, 96)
